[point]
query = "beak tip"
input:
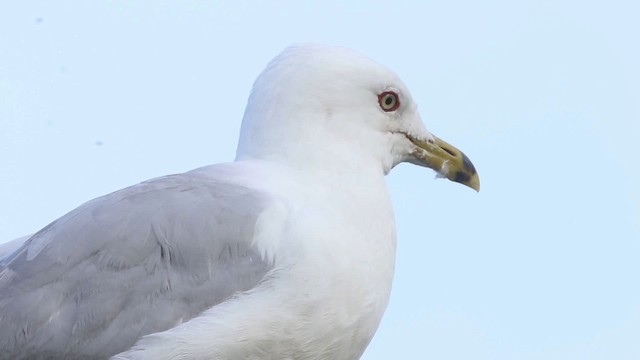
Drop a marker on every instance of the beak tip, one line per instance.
(474, 182)
(469, 174)
(476, 187)
(469, 179)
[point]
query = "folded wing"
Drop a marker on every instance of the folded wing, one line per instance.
(134, 262)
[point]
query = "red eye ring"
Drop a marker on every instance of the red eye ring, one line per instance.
(389, 101)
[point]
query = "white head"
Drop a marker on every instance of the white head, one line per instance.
(332, 108)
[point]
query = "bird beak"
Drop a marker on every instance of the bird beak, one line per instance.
(446, 160)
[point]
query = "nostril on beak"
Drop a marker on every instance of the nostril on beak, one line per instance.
(449, 151)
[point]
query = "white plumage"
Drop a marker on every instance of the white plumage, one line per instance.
(286, 253)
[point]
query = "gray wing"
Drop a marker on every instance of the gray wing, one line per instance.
(134, 262)
(8, 247)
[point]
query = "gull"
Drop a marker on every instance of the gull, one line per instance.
(288, 252)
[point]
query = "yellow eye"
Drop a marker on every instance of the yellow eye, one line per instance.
(389, 101)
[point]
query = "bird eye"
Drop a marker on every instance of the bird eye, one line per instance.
(389, 101)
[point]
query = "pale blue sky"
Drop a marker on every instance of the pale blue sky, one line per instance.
(544, 97)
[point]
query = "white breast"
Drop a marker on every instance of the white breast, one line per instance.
(334, 266)
(344, 268)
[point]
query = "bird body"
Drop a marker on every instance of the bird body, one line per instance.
(286, 253)
(323, 299)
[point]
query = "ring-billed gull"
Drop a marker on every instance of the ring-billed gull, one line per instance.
(286, 253)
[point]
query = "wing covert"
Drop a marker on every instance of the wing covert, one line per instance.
(136, 261)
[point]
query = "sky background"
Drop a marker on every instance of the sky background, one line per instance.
(543, 96)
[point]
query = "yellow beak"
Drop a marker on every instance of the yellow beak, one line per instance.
(446, 160)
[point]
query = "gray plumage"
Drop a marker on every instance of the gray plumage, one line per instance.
(177, 244)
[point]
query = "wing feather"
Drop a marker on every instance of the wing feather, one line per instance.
(134, 262)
